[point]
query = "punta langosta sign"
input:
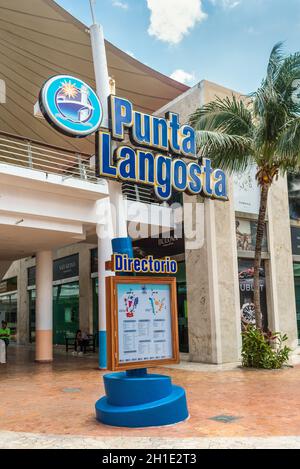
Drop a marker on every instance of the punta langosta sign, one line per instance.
(140, 148)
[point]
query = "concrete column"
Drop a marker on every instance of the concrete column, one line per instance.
(212, 288)
(281, 295)
(23, 311)
(44, 308)
(104, 255)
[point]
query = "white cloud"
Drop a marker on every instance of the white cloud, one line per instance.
(183, 77)
(170, 20)
(123, 5)
(227, 3)
(130, 53)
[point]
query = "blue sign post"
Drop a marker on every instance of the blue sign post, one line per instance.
(162, 155)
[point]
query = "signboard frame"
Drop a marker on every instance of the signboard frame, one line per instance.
(112, 323)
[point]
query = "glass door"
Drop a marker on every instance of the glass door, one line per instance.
(65, 311)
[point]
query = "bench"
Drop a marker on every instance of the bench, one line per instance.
(90, 346)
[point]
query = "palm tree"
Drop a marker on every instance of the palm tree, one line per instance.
(262, 129)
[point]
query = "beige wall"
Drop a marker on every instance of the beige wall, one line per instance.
(282, 307)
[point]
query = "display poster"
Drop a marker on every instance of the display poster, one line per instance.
(246, 235)
(246, 191)
(144, 322)
(246, 272)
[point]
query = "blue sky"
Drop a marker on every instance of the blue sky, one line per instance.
(225, 41)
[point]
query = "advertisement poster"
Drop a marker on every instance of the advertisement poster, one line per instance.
(247, 295)
(246, 191)
(246, 235)
(294, 195)
(144, 322)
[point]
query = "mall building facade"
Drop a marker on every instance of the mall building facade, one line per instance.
(49, 208)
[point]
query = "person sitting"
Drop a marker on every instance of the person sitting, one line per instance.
(81, 340)
(4, 339)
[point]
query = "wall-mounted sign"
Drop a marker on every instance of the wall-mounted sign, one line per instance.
(142, 327)
(162, 155)
(123, 263)
(159, 157)
(71, 106)
(159, 247)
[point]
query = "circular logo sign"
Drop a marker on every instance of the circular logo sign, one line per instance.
(71, 106)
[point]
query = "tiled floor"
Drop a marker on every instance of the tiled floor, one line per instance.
(58, 399)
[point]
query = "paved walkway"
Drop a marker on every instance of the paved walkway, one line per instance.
(12, 440)
(53, 406)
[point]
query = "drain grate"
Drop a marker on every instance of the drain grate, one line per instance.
(224, 418)
(71, 389)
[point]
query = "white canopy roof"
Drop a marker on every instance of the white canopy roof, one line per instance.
(39, 39)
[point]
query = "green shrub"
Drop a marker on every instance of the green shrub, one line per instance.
(264, 349)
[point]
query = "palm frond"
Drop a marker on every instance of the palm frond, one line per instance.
(229, 152)
(227, 115)
(275, 60)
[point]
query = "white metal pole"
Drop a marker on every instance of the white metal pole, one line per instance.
(115, 190)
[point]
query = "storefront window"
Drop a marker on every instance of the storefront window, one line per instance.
(9, 304)
(65, 311)
(297, 294)
(8, 312)
(294, 196)
(247, 295)
(246, 235)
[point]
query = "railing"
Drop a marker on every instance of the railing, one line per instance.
(39, 156)
(139, 193)
(32, 154)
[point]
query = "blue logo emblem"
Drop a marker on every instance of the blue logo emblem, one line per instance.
(71, 106)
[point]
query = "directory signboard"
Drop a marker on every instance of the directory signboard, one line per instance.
(141, 322)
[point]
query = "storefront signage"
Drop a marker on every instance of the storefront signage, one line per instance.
(165, 167)
(142, 327)
(71, 106)
(123, 263)
(162, 153)
(63, 268)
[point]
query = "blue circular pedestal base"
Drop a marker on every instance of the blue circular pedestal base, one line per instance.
(145, 401)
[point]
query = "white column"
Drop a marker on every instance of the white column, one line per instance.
(44, 308)
(118, 220)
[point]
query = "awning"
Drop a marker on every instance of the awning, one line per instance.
(39, 39)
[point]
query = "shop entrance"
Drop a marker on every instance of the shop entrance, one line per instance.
(9, 304)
